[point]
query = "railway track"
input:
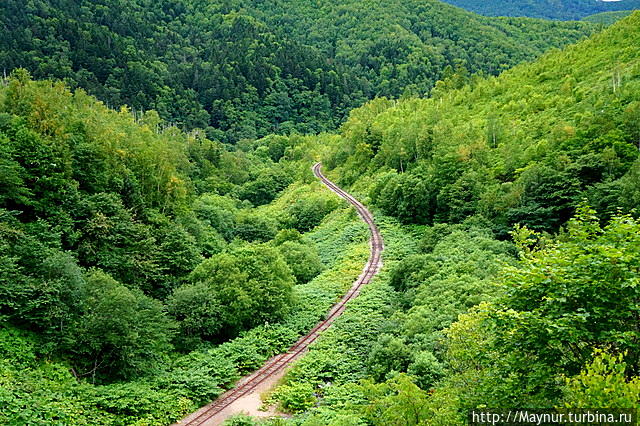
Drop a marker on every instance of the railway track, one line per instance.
(279, 362)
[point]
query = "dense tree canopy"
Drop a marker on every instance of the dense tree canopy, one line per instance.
(242, 70)
(124, 247)
(525, 147)
(144, 269)
(103, 215)
(466, 319)
(234, 291)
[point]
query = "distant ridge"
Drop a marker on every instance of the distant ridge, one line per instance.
(563, 10)
(241, 70)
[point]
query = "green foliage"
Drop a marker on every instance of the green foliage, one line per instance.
(108, 219)
(409, 197)
(44, 392)
(234, 291)
(179, 253)
(603, 383)
(427, 369)
(339, 358)
(435, 289)
(105, 214)
(295, 398)
(579, 294)
(108, 237)
(138, 403)
(388, 356)
(198, 310)
(218, 212)
(303, 260)
(242, 71)
(51, 389)
(17, 347)
(607, 18)
(548, 199)
(121, 332)
(200, 376)
(409, 272)
(625, 193)
(95, 183)
(99, 323)
(575, 295)
(174, 386)
(240, 420)
(255, 226)
(307, 213)
(41, 287)
(287, 235)
(276, 146)
(397, 402)
(265, 187)
(523, 148)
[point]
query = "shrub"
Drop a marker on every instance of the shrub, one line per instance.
(303, 260)
(603, 383)
(297, 397)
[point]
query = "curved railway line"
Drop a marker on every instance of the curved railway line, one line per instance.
(279, 362)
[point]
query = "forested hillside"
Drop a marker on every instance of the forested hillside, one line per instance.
(146, 264)
(139, 274)
(503, 288)
(242, 70)
(546, 9)
(607, 18)
(525, 147)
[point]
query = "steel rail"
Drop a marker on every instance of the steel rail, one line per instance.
(279, 362)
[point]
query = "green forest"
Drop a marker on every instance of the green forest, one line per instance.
(242, 70)
(564, 10)
(162, 233)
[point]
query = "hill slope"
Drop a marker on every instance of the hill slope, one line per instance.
(242, 71)
(474, 310)
(547, 9)
(607, 18)
(523, 147)
(143, 270)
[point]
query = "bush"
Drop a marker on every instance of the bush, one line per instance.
(240, 420)
(297, 397)
(409, 197)
(426, 369)
(287, 235)
(197, 309)
(200, 375)
(603, 383)
(265, 187)
(178, 254)
(234, 291)
(122, 332)
(255, 226)
(217, 211)
(412, 271)
(303, 260)
(17, 346)
(389, 354)
(308, 212)
(578, 293)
